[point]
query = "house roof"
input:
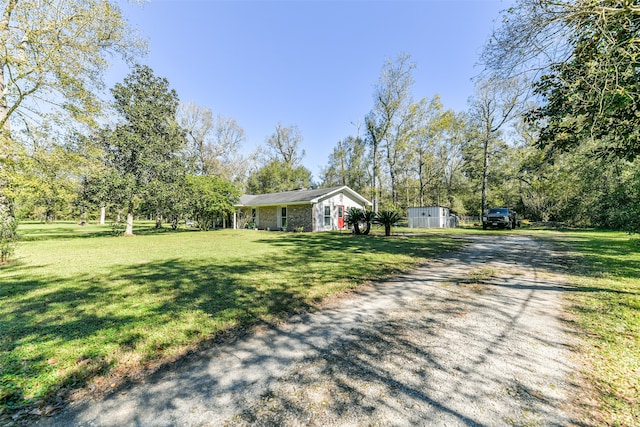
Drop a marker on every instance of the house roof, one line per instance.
(297, 197)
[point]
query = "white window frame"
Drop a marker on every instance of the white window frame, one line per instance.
(325, 216)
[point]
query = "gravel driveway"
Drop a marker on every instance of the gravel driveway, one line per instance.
(471, 339)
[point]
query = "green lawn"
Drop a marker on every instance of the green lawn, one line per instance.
(79, 307)
(605, 267)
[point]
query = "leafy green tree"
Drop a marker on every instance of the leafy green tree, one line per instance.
(96, 191)
(166, 200)
(348, 165)
(46, 181)
(211, 197)
(578, 103)
(278, 176)
(583, 56)
(494, 105)
(282, 170)
(388, 219)
(145, 146)
(57, 52)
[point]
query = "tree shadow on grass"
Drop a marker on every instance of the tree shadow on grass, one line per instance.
(125, 309)
(309, 245)
(96, 316)
(155, 308)
(601, 254)
(66, 232)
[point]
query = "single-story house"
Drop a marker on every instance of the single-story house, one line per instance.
(321, 209)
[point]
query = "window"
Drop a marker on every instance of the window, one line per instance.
(283, 217)
(253, 215)
(327, 216)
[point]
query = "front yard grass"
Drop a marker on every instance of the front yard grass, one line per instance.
(80, 308)
(605, 267)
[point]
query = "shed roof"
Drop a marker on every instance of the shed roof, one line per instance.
(297, 197)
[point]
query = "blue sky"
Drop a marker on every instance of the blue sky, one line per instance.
(312, 64)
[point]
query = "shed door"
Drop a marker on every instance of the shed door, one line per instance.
(340, 216)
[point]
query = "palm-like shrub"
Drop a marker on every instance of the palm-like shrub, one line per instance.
(367, 218)
(388, 219)
(353, 218)
(358, 218)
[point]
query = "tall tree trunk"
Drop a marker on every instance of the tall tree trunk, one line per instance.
(129, 229)
(375, 173)
(5, 140)
(485, 168)
(103, 214)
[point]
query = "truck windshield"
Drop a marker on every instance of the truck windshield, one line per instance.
(499, 211)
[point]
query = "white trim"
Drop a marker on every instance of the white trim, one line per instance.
(325, 216)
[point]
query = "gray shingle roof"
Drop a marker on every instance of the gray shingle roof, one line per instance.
(289, 197)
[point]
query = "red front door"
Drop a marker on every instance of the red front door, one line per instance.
(340, 217)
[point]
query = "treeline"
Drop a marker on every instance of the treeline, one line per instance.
(171, 161)
(417, 153)
(158, 159)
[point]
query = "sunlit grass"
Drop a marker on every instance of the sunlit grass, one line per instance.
(78, 306)
(606, 269)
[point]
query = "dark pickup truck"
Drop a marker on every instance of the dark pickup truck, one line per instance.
(500, 218)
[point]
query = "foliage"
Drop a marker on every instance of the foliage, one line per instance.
(359, 218)
(142, 151)
(493, 106)
(284, 145)
(367, 218)
(388, 219)
(210, 197)
(348, 165)
(594, 94)
(353, 217)
(278, 176)
(281, 170)
(583, 57)
(56, 52)
(118, 228)
(392, 95)
(46, 177)
(107, 306)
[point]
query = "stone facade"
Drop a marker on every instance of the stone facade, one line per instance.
(268, 218)
(299, 216)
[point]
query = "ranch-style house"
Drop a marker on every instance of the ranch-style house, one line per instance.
(321, 209)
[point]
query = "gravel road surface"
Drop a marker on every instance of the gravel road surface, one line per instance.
(470, 339)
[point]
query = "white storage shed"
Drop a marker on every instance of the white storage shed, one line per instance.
(431, 217)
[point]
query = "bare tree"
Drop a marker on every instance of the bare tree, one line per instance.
(284, 145)
(392, 95)
(214, 144)
(495, 103)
